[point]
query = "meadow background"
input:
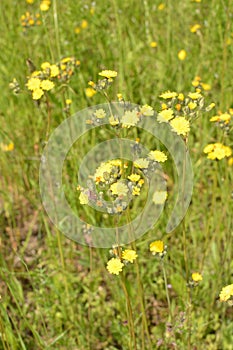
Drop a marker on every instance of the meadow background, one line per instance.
(55, 293)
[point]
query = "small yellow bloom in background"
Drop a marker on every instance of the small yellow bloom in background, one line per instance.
(108, 74)
(196, 0)
(230, 161)
(7, 148)
(30, 1)
(225, 117)
(115, 266)
(130, 118)
(157, 247)
(163, 106)
(47, 85)
(77, 30)
(147, 110)
(206, 87)
(192, 105)
(168, 94)
(141, 163)
(90, 92)
(134, 177)
(84, 24)
(113, 121)
(161, 7)
(165, 115)
(180, 126)
(100, 113)
(129, 255)
(159, 197)
(182, 55)
(33, 84)
(217, 151)
(181, 97)
(83, 198)
(37, 94)
(68, 101)
(157, 156)
(54, 71)
(136, 191)
(211, 106)
(92, 11)
(196, 277)
(120, 97)
(194, 95)
(45, 5)
(153, 44)
(119, 188)
(226, 293)
(45, 65)
(195, 28)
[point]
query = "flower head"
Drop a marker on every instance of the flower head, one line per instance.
(33, 84)
(226, 293)
(130, 118)
(157, 247)
(108, 74)
(47, 85)
(196, 277)
(134, 177)
(182, 55)
(180, 125)
(159, 197)
(83, 198)
(141, 163)
(100, 113)
(168, 94)
(165, 115)
(115, 266)
(147, 110)
(194, 95)
(119, 188)
(37, 94)
(158, 156)
(217, 151)
(129, 255)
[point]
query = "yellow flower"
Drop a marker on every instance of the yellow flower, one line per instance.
(119, 188)
(54, 71)
(100, 113)
(90, 92)
(68, 101)
(108, 74)
(30, 1)
(159, 197)
(147, 110)
(211, 106)
(130, 118)
(113, 121)
(181, 97)
(37, 94)
(77, 30)
(165, 115)
(195, 28)
(196, 277)
(194, 95)
(136, 191)
(161, 7)
(217, 151)
(120, 97)
(114, 266)
(84, 24)
(7, 148)
(226, 293)
(141, 163)
(168, 94)
(182, 55)
(33, 84)
(83, 198)
(44, 5)
(153, 44)
(134, 177)
(45, 65)
(192, 105)
(230, 161)
(180, 125)
(129, 255)
(206, 87)
(157, 156)
(47, 85)
(157, 247)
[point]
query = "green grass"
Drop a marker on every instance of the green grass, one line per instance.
(57, 294)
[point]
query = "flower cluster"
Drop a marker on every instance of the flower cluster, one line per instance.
(224, 120)
(83, 25)
(217, 151)
(226, 293)
(29, 20)
(7, 147)
(41, 81)
(120, 259)
(179, 111)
